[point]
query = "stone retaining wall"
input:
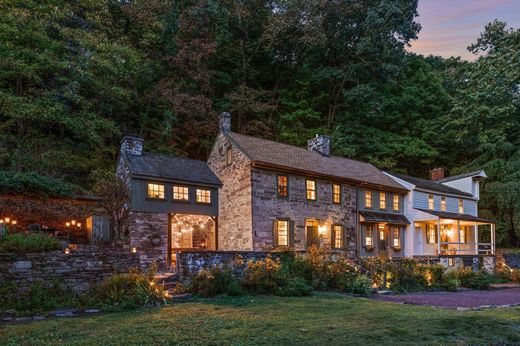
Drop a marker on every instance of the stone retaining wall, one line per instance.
(77, 270)
(512, 259)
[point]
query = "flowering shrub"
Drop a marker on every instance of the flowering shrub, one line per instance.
(216, 280)
(264, 276)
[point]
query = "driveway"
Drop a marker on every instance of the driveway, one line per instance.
(459, 299)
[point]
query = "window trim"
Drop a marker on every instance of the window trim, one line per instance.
(277, 240)
(431, 202)
(315, 190)
(334, 238)
(340, 194)
(461, 206)
(196, 195)
(369, 193)
(369, 247)
(398, 202)
(278, 185)
(180, 200)
(394, 238)
(434, 232)
(163, 198)
(382, 193)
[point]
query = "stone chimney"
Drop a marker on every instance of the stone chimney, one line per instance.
(320, 144)
(437, 174)
(132, 145)
(224, 122)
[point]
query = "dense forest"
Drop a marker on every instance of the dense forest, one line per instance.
(75, 76)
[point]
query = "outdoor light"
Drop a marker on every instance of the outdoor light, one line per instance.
(322, 229)
(67, 224)
(1, 221)
(7, 220)
(78, 224)
(73, 222)
(13, 222)
(134, 249)
(67, 251)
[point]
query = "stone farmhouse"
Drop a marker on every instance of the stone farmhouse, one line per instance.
(257, 195)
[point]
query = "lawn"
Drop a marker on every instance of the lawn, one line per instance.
(323, 318)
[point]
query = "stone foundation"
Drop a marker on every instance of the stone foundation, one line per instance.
(512, 260)
(149, 235)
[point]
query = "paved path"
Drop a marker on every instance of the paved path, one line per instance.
(460, 299)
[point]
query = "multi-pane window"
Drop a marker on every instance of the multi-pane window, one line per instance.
(311, 189)
(155, 191)
(430, 234)
(203, 196)
(382, 200)
(396, 202)
(443, 203)
(368, 199)
(461, 206)
(338, 236)
(336, 193)
(282, 232)
(229, 156)
(180, 193)
(430, 202)
(396, 239)
(283, 186)
(368, 235)
(462, 235)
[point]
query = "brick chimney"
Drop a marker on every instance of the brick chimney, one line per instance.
(132, 145)
(437, 174)
(320, 144)
(224, 122)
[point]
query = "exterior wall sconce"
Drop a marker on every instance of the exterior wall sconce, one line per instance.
(322, 229)
(134, 249)
(67, 251)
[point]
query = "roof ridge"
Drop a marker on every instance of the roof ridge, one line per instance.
(436, 182)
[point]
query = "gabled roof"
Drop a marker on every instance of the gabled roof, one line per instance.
(430, 185)
(171, 168)
(479, 173)
(455, 216)
(307, 161)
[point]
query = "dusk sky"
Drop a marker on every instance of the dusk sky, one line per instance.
(449, 26)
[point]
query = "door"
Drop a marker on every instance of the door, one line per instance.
(382, 236)
(311, 228)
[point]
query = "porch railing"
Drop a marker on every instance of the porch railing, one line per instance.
(455, 248)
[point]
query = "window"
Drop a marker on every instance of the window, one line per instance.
(283, 186)
(155, 191)
(337, 234)
(396, 241)
(443, 203)
(180, 193)
(229, 156)
(336, 193)
(451, 263)
(368, 235)
(368, 199)
(462, 235)
(461, 206)
(430, 202)
(431, 235)
(311, 189)
(382, 200)
(282, 232)
(203, 196)
(396, 202)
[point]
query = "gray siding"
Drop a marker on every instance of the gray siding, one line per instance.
(376, 198)
(420, 201)
(140, 202)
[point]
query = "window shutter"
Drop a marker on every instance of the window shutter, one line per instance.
(332, 237)
(275, 233)
(291, 233)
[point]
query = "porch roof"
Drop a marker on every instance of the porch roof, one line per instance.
(455, 216)
(372, 216)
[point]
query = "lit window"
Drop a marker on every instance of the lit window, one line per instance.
(430, 234)
(382, 200)
(283, 186)
(338, 236)
(336, 193)
(368, 199)
(443, 203)
(311, 189)
(180, 193)
(203, 196)
(368, 236)
(396, 237)
(430, 202)
(396, 202)
(462, 235)
(451, 263)
(155, 191)
(282, 232)
(382, 229)
(461, 206)
(229, 156)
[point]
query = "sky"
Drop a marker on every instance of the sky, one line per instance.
(449, 26)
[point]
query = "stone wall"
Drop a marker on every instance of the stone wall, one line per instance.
(148, 233)
(512, 259)
(267, 207)
(234, 224)
(77, 270)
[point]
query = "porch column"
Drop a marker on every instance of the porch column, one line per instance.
(458, 236)
(475, 235)
(492, 238)
(438, 237)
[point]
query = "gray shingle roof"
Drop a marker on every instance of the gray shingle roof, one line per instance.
(171, 167)
(373, 216)
(430, 185)
(455, 216)
(284, 155)
(463, 175)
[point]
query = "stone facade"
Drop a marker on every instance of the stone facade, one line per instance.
(235, 198)
(148, 233)
(512, 260)
(78, 270)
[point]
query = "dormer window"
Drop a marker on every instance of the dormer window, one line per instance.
(461, 206)
(155, 191)
(430, 202)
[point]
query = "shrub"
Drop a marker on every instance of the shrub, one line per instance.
(515, 276)
(264, 276)
(216, 280)
(295, 287)
(21, 243)
(432, 274)
(360, 284)
(450, 280)
(469, 279)
(406, 276)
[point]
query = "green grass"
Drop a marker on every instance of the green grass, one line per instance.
(324, 318)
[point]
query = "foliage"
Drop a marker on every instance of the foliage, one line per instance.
(359, 284)
(405, 276)
(33, 184)
(477, 280)
(450, 280)
(263, 276)
(21, 243)
(214, 281)
(295, 287)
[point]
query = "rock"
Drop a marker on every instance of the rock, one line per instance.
(22, 319)
(92, 311)
(21, 265)
(38, 318)
(460, 308)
